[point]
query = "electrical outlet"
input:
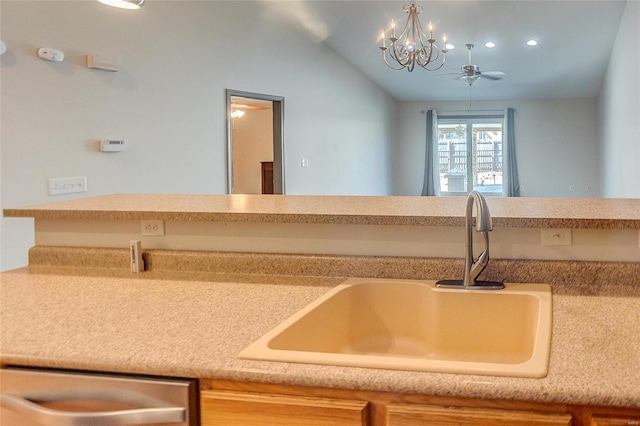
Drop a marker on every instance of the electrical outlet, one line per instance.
(555, 237)
(152, 227)
(70, 185)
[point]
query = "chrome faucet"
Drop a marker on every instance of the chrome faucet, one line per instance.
(473, 268)
(484, 224)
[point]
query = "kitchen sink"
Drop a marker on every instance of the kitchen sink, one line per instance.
(413, 325)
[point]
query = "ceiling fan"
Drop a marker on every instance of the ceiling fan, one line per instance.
(470, 73)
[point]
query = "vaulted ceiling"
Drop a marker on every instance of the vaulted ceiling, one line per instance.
(575, 42)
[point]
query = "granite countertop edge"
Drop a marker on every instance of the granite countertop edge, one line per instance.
(507, 212)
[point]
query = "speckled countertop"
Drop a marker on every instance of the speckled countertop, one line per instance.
(194, 325)
(430, 211)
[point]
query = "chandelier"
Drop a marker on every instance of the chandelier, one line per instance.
(413, 47)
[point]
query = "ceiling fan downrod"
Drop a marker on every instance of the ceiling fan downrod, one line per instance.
(471, 72)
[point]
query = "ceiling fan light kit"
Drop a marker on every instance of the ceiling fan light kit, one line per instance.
(469, 79)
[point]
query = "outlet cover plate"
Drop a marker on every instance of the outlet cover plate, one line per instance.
(555, 237)
(152, 227)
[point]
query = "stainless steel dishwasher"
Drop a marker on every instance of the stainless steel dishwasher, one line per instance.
(62, 398)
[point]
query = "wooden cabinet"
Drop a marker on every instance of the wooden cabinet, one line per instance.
(244, 408)
(616, 421)
(241, 403)
(410, 415)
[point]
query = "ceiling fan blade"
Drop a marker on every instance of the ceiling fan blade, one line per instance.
(493, 75)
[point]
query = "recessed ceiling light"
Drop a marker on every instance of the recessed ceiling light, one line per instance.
(450, 46)
(490, 44)
(124, 4)
(532, 42)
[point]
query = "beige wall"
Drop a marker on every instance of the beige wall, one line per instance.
(556, 145)
(168, 103)
(590, 144)
(620, 111)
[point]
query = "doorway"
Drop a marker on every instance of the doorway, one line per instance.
(255, 143)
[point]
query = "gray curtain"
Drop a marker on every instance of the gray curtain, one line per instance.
(431, 185)
(510, 183)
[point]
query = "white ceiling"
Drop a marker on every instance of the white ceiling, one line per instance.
(575, 41)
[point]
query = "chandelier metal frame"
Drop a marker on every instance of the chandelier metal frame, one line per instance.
(413, 47)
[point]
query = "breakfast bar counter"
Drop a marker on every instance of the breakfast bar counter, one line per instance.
(359, 210)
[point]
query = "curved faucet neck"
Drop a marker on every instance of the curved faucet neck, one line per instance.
(484, 224)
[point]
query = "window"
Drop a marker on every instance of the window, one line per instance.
(470, 154)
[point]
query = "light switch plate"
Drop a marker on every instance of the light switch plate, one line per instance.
(69, 185)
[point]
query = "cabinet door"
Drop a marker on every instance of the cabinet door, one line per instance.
(245, 408)
(615, 421)
(407, 415)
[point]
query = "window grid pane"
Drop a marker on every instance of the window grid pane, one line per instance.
(462, 141)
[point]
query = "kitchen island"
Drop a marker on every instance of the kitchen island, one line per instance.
(194, 325)
(202, 299)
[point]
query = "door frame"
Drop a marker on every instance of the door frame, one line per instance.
(278, 137)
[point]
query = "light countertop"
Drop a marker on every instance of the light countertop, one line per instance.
(429, 211)
(194, 325)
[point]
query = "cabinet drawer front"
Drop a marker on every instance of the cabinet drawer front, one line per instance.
(615, 421)
(244, 408)
(407, 415)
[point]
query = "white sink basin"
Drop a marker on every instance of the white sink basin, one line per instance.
(412, 325)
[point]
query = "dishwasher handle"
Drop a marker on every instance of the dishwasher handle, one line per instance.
(151, 410)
